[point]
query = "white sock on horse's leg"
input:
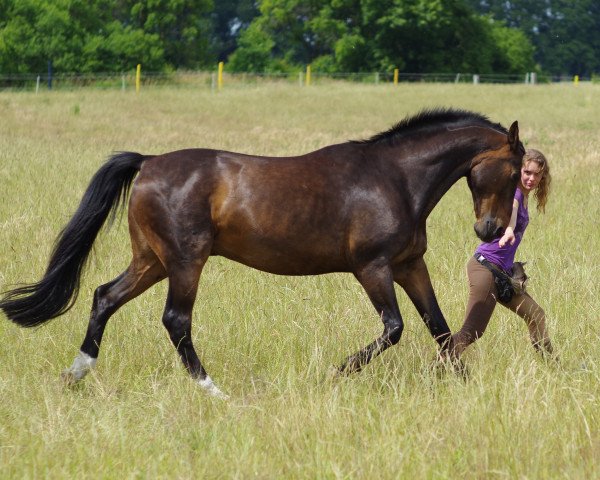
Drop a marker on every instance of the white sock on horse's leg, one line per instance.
(208, 385)
(82, 364)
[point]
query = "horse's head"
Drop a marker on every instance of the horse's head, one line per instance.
(493, 179)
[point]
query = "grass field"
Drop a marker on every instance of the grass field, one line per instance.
(269, 341)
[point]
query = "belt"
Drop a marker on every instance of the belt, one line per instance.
(495, 269)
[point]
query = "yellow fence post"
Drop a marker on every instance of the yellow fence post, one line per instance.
(138, 76)
(220, 77)
(576, 79)
(395, 76)
(307, 75)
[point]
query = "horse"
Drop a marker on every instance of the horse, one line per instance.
(358, 207)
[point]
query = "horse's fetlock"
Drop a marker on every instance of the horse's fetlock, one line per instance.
(395, 332)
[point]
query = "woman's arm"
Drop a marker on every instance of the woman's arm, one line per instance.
(509, 233)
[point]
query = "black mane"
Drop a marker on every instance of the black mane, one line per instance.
(438, 117)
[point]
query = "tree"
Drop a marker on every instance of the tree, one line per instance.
(362, 35)
(431, 36)
(35, 32)
(275, 33)
(254, 51)
(103, 35)
(181, 25)
(565, 33)
(285, 35)
(120, 48)
(514, 51)
(229, 19)
(573, 45)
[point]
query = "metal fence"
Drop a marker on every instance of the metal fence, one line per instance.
(208, 80)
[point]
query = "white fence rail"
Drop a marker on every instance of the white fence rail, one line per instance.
(125, 81)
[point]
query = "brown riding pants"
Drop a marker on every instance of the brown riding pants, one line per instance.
(482, 301)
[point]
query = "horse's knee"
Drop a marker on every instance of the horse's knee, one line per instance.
(176, 324)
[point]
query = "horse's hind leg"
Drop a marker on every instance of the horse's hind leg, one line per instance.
(142, 273)
(177, 318)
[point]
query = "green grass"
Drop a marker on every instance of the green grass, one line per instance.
(269, 341)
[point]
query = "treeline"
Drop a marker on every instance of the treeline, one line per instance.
(565, 33)
(418, 36)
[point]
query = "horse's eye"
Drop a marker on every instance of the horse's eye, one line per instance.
(515, 176)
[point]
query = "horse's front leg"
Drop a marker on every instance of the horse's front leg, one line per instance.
(377, 280)
(414, 278)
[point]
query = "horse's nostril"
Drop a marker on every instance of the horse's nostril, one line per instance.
(499, 231)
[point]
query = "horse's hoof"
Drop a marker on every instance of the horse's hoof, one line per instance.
(211, 389)
(69, 378)
(81, 366)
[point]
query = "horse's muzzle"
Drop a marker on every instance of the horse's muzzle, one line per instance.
(488, 229)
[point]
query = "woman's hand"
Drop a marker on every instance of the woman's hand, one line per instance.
(508, 237)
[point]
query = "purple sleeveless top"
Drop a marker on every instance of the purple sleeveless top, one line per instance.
(504, 257)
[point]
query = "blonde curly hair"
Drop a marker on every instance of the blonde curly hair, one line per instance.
(543, 190)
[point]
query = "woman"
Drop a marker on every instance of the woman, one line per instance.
(500, 253)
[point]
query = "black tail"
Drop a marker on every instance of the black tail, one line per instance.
(56, 292)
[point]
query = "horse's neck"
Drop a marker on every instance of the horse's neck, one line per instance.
(439, 178)
(427, 174)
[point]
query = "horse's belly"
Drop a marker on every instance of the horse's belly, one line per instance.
(282, 256)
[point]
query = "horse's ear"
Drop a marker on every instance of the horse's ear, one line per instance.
(513, 136)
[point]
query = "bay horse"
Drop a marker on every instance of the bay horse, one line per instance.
(358, 207)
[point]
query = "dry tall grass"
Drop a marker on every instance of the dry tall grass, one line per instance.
(268, 341)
